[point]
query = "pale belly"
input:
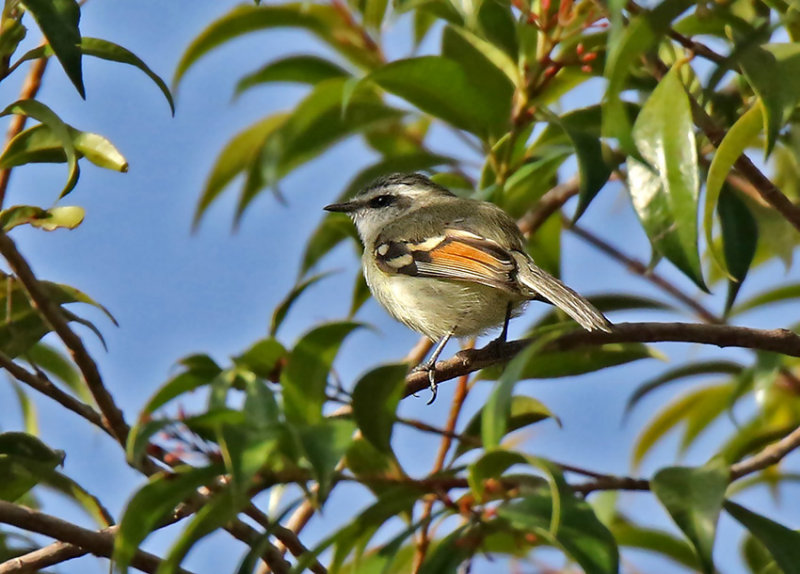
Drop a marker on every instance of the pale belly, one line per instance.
(433, 307)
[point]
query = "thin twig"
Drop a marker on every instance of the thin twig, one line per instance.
(40, 382)
(288, 538)
(52, 314)
(641, 269)
(99, 543)
(30, 88)
(423, 540)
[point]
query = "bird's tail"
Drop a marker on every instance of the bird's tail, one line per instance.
(544, 285)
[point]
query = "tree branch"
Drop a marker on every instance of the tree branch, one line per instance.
(44, 385)
(51, 313)
(99, 543)
(777, 340)
(642, 270)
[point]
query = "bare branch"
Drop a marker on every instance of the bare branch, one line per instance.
(51, 313)
(777, 340)
(642, 270)
(45, 386)
(99, 543)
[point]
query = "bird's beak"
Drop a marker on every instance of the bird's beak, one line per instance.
(346, 207)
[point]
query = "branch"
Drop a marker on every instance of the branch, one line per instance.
(777, 340)
(52, 314)
(99, 543)
(642, 270)
(44, 385)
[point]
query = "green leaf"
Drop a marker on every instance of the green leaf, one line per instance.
(375, 399)
(664, 190)
(676, 412)
(482, 59)
(326, 22)
(497, 410)
(58, 21)
(779, 294)
(263, 358)
(739, 240)
(498, 25)
(12, 33)
(68, 217)
(448, 555)
(773, 71)
(214, 514)
(112, 52)
(592, 167)
(740, 136)
(304, 69)
(279, 314)
(631, 535)
(693, 497)
(681, 372)
(580, 534)
(330, 113)
(24, 461)
(41, 112)
(306, 375)
(40, 144)
(236, 157)
(21, 325)
(782, 543)
(152, 503)
(30, 419)
(625, 48)
(491, 465)
(335, 228)
(324, 444)
(579, 361)
(523, 411)
(445, 89)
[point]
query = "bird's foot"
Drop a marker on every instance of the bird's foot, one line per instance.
(430, 368)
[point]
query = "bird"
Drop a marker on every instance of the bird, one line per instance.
(448, 266)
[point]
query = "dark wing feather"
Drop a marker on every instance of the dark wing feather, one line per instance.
(456, 255)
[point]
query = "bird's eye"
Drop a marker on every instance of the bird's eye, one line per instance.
(381, 201)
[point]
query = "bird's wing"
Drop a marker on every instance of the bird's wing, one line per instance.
(455, 254)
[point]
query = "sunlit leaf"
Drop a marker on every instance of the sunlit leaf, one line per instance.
(665, 189)
(41, 112)
(784, 293)
(67, 217)
(631, 535)
(632, 40)
(263, 358)
(239, 153)
(58, 20)
(681, 372)
(740, 136)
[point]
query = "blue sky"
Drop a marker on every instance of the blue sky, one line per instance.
(175, 293)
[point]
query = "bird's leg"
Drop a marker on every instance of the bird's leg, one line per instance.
(501, 338)
(429, 366)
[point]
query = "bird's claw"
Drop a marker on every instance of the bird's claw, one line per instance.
(431, 370)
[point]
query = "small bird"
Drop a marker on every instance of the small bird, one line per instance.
(448, 266)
